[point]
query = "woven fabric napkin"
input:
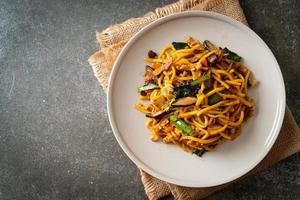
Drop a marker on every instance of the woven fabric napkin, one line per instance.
(115, 37)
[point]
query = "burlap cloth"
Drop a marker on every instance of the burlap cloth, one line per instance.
(114, 38)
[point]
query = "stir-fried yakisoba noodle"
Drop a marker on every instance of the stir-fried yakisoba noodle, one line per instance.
(198, 95)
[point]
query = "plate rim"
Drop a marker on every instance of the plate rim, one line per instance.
(278, 118)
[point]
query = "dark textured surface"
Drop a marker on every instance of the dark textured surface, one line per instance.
(55, 139)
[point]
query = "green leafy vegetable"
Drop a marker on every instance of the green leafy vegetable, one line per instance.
(200, 152)
(148, 86)
(181, 125)
(213, 99)
(232, 55)
(179, 45)
(185, 90)
(189, 88)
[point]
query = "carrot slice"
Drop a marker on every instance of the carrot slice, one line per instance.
(204, 62)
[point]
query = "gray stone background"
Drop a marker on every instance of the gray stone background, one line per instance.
(55, 138)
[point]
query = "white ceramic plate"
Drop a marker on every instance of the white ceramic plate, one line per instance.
(168, 162)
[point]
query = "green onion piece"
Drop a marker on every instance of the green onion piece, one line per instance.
(181, 125)
(173, 118)
(205, 77)
(183, 90)
(200, 152)
(179, 45)
(149, 86)
(232, 55)
(213, 99)
(185, 128)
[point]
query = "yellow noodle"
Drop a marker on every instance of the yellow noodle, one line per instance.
(199, 112)
(219, 71)
(164, 50)
(206, 141)
(210, 125)
(214, 132)
(225, 136)
(173, 74)
(214, 91)
(222, 82)
(185, 78)
(233, 82)
(153, 60)
(246, 81)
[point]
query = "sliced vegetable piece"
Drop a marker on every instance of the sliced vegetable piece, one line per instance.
(184, 91)
(181, 125)
(179, 45)
(143, 93)
(173, 118)
(190, 88)
(200, 152)
(213, 99)
(152, 54)
(149, 86)
(212, 59)
(204, 62)
(208, 45)
(185, 128)
(185, 101)
(157, 114)
(203, 78)
(232, 55)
